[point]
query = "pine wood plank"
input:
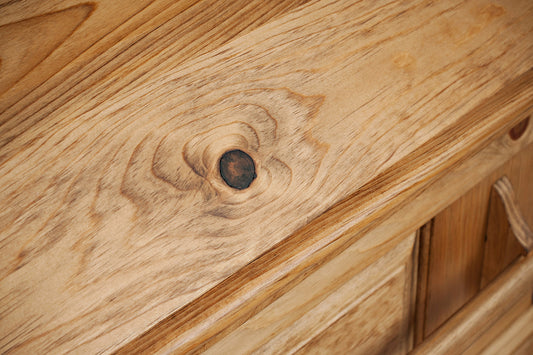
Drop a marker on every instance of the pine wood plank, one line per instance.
(504, 325)
(55, 53)
(208, 320)
(356, 333)
(483, 312)
(456, 256)
(132, 231)
(56, 50)
(307, 319)
(467, 243)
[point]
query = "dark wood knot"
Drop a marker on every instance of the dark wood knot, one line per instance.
(237, 169)
(517, 131)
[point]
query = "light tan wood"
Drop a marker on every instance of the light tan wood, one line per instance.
(508, 320)
(347, 289)
(182, 332)
(501, 246)
(375, 326)
(53, 51)
(519, 226)
(115, 216)
(466, 242)
(477, 317)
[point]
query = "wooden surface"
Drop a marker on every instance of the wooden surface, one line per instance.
(424, 238)
(115, 215)
(456, 256)
(462, 331)
(515, 217)
(502, 325)
(501, 245)
(468, 249)
(517, 339)
(351, 304)
(214, 319)
(356, 333)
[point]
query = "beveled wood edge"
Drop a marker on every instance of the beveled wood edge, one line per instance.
(515, 338)
(516, 220)
(424, 235)
(236, 299)
(459, 332)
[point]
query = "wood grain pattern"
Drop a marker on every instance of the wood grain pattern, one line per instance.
(83, 47)
(110, 44)
(501, 326)
(517, 339)
(107, 166)
(356, 333)
(478, 316)
(267, 278)
(467, 247)
(456, 257)
(501, 245)
(307, 318)
(519, 226)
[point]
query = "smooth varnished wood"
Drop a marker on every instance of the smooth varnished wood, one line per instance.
(115, 215)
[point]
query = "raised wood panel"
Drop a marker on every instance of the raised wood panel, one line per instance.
(456, 257)
(377, 325)
(260, 282)
(487, 312)
(115, 215)
(464, 255)
(366, 291)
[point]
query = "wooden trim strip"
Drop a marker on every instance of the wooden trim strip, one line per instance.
(422, 281)
(517, 339)
(518, 224)
(462, 330)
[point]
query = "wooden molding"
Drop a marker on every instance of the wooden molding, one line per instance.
(470, 323)
(519, 226)
(115, 215)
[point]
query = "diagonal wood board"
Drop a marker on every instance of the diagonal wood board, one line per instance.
(114, 215)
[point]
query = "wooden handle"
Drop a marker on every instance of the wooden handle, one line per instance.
(519, 226)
